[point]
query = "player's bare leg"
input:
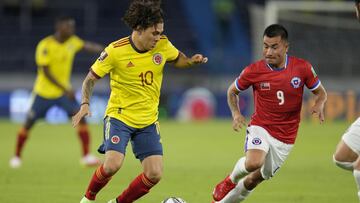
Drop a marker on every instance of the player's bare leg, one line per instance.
(253, 161)
(141, 185)
(344, 156)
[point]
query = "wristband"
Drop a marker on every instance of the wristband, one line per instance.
(85, 103)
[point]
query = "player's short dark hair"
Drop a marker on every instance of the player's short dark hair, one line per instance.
(357, 1)
(143, 14)
(63, 18)
(275, 30)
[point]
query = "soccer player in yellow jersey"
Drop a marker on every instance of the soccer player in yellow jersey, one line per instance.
(135, 64)
(54, 58)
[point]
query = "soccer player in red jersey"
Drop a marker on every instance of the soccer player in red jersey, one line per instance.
(348, 150)
(278, 84)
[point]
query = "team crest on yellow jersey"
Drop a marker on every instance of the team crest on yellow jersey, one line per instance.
(157, 58)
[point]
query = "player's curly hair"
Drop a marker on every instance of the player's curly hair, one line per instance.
(142, 14)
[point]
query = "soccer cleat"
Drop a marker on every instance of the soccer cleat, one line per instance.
(90, 160)
(86, 200)
(15, 162)
(112, 201)
(223, 188)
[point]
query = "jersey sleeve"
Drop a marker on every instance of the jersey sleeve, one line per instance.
(171, 51)
(104, 63)
(243, 81)
(312, 81)
(42, 54)
(78, 43)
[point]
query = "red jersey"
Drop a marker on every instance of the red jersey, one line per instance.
(278, 95)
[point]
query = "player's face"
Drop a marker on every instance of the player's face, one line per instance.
(150, 36)
(274, 50)
(66, 28)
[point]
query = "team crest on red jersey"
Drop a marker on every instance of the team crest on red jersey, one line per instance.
(265, 86)
(115, 139)
(295, 82)
(157, 58)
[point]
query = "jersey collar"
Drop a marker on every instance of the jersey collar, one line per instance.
(134, 47)
(279, 69)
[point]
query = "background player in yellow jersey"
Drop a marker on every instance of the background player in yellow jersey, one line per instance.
(135, 64)
(54, 58)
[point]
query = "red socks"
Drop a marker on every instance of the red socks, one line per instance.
(137, 188)
(84, 136)
(140, 186)
(98, 181)
(21, 139)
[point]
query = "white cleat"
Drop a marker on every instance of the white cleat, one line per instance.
(90, 160)
(15, 162)
(86, 200)
(112, 201)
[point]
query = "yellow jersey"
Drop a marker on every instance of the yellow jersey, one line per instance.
(59, 58)
(135, 79)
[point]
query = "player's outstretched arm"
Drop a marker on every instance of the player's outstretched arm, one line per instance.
(183, 61)
(321, 97)
(232, 97)
(86, 92)
(93, 47)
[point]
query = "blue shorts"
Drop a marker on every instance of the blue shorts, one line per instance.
(144, 141)
(41, 105)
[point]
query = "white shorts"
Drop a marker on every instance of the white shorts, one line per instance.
(277, 151)
(352, 136)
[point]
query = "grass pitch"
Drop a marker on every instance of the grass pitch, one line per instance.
(197, 156)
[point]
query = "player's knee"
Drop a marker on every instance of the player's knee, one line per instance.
(111, 167)
(252, 165)
(154, 175)
(343, 164)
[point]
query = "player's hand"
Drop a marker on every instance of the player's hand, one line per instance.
(198, 58)
(84, 111)
(238, 122)
(319, 110)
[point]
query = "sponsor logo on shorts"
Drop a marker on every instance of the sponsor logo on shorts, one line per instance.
(115, 139)
(256, 141)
